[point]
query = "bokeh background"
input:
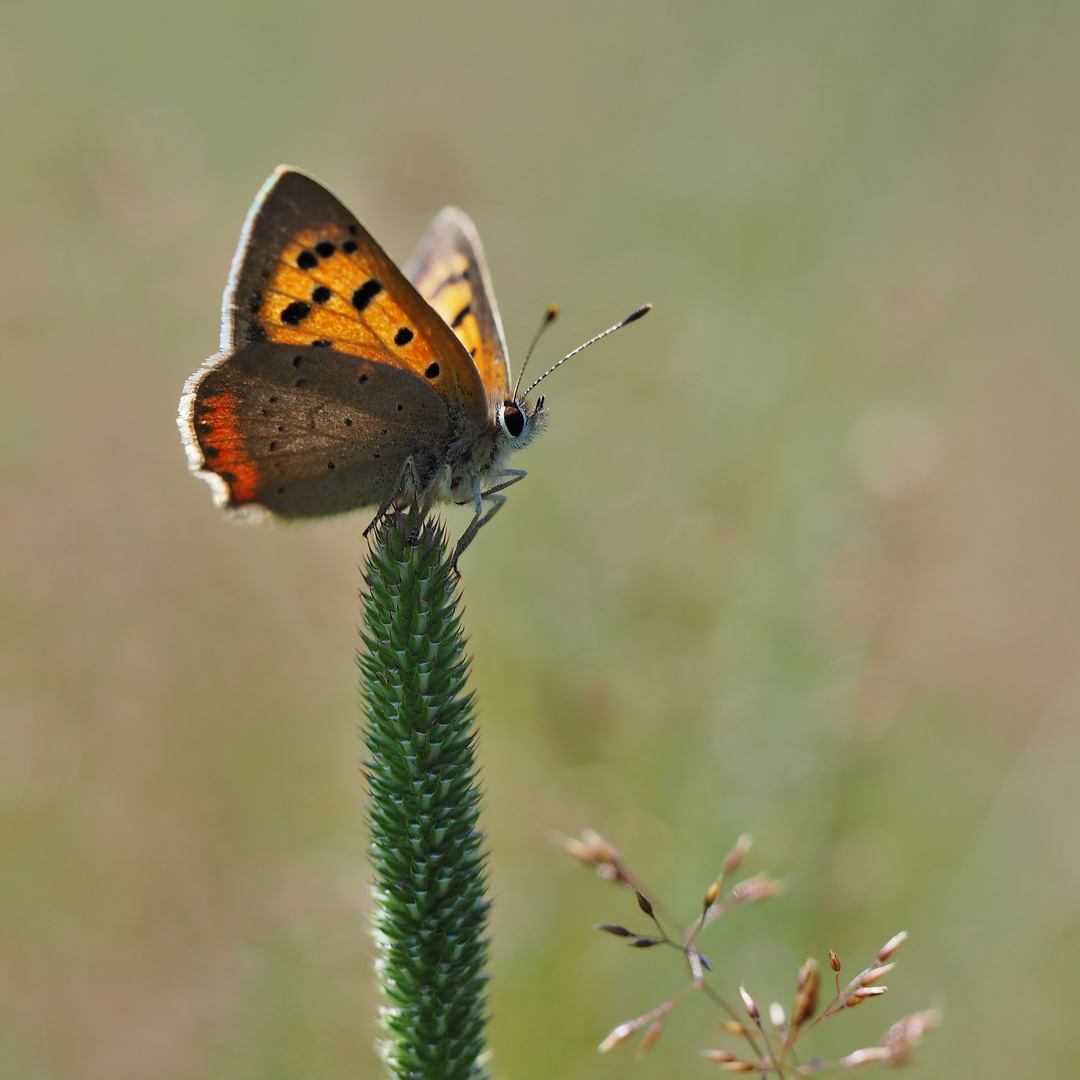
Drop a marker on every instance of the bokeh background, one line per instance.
(800, 555)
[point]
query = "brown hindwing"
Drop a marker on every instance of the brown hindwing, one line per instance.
(306, 431)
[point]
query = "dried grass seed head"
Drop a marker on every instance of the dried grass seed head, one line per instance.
(751, 1006)
(734, 858)
(907, 1033)
(652, 1034)
(806, 995)
(719, 1056)
(891, 946)
(867, 1056)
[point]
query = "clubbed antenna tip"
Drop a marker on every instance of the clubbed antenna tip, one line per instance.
(635, 315)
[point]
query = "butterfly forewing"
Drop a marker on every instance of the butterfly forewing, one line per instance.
(308, 273)
(307, 431)
(449, 271)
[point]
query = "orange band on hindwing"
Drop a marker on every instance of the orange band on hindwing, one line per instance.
(221, 440)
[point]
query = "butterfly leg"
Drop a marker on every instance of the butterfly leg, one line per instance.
(480, 519)
(424, 502)
(395, 494)
(380, 514)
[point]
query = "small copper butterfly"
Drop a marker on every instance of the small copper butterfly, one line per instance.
(343, 382)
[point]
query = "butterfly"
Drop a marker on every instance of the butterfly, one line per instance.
(343, 382)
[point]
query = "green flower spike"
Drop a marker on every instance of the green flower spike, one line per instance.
(430, 909)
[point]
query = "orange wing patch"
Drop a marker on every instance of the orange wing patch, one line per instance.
(448, 290)
(450, 273)
(446, 287)
(308, 273)
(323, 292)
(224, 448)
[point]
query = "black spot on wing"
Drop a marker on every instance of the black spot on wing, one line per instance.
(306, 260)
(320, 294)
(460, 317)
(296, 313)
(403, 336)
(325, 248)
(432, 371)
(366, 293)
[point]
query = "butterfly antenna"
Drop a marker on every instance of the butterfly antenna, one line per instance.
(550, 316)
(632, 317)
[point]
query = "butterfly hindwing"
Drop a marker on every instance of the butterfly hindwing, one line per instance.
(308, 273)
(305, 431)
(449, 271)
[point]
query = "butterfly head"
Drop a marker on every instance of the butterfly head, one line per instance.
(518, 424)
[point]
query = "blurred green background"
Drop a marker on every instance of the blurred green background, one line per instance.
(798, 557)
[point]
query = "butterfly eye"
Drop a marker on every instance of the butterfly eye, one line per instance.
(513, 419)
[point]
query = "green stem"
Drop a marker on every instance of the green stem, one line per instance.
(430, 909)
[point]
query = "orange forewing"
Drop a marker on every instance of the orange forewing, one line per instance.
(310, 274)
